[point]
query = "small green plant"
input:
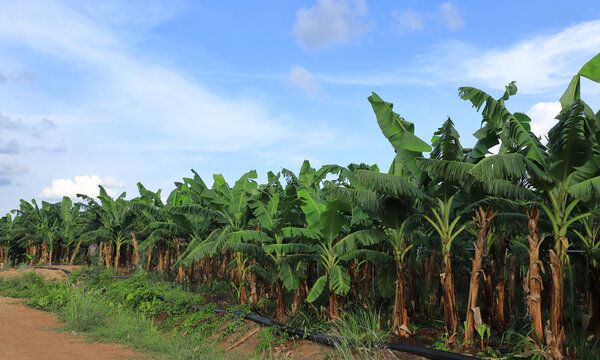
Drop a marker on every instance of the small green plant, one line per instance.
(267, 338)
(442, 343)
(484, 331)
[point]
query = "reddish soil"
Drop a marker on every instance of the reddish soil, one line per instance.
(243, 344)
(48, 274)
(27, 333)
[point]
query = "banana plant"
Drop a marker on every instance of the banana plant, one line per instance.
(41, 225)
(328, 224)
(448, 231)
(72, 226)
(274, 217)
(231, 205)
(115, 217)
(8, 236)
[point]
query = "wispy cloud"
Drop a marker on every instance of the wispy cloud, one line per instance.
(25, 137)
(449, 16)
(407, 20)
(329, 23)
(539, 64)
(161, 99)
(304, 80)
(16, 77)
(9, 167)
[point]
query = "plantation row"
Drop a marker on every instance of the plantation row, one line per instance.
(491, 223)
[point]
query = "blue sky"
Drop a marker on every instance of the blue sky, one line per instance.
(117, 92)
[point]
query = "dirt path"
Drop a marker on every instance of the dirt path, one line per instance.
(27, 333)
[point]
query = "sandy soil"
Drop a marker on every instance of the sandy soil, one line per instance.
(27, 333)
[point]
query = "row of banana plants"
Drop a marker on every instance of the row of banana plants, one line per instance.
(335, 234)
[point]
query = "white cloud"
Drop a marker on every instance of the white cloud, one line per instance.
(407, 20)
(303, 79)
(329, 23)
(84, 184)
(543, 116)
(449, 16)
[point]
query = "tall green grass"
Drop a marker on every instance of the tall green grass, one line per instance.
(361, 335)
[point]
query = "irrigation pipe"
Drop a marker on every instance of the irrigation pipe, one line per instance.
(315, 337)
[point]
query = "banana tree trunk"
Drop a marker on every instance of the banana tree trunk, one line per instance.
(223, 268)
(450, 314)
(117, 256)
(161, 260)
(473, 293)
(298, 298)
(558, 337)
(180, 270)
(484, 221)
(192, 272)
(280, 302)
(75, 253)
(167, 259)
(108, 249)
(149, 259)
(243, 294)
(44, 256)
(135, 255)
(595, 301)
(534, 280)
(488, 288)
(63, 254)
(353, 270)
(333, 306)
(253, 288)
(100, 253)
(367, 278)
(415, 297)
(399, 312)
(499, 291)
(431, 286)
(33, 251)
(207, 270)
(511, 284)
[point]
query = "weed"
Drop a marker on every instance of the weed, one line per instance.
(361, 335)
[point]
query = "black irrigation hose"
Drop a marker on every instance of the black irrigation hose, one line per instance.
(53, 268)
(68, 272)
(315, 337)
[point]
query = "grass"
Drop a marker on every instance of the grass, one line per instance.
(362, 336)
